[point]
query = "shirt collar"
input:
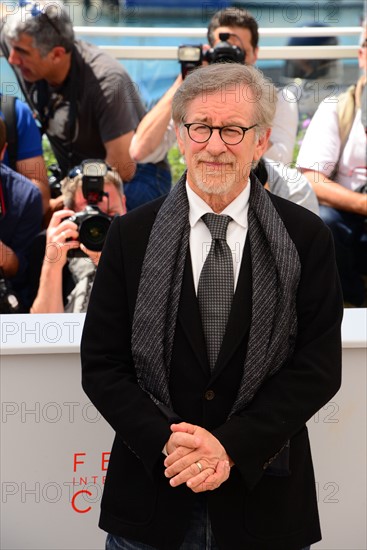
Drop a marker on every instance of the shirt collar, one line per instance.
(237, 209)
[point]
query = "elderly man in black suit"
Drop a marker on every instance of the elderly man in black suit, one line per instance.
(212, 336)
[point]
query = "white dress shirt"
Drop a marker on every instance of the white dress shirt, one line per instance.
(200, 237)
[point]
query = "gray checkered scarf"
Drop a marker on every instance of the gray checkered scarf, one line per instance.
(275, 277)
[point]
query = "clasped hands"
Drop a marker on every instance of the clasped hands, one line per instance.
(195, 457)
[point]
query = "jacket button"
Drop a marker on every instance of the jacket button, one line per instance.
(209, 395)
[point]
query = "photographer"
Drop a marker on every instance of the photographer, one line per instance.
(155, 133)
(20, 221)
(62, 236)
(84, 99)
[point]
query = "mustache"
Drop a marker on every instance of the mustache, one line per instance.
(222, 159)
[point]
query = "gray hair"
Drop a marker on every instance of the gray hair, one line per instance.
(47, 23)
(229, 79)
(69, 186)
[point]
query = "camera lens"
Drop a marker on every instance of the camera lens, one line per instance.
(93, 231)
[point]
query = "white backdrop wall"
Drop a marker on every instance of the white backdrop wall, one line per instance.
(55, 445)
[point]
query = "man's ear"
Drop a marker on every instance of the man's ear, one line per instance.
(58, 53)
(256, 54)
(180, 141)
(262, 144)
(2, 152)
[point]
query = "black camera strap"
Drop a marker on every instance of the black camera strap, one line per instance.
(46, 103)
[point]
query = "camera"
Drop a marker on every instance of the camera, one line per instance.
(191, 56)
(9, 302)
(92, 223)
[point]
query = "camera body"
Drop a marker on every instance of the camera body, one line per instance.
(191, 56)
(54, 180)
(9, 302)
(92, 223)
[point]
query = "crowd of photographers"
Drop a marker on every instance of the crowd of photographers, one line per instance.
(93, 195)
(111, 154)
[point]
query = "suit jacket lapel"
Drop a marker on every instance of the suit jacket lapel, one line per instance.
(189, 316)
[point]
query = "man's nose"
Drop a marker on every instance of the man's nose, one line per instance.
(215, 144)
(14, 58)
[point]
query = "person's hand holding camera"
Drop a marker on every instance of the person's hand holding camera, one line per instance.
(61, 236)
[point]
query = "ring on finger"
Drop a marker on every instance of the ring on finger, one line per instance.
(199, 465)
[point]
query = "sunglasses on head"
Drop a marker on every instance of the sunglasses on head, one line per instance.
(36, 11)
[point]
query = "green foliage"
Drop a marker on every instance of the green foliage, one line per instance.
(177, 163)
(48, 154)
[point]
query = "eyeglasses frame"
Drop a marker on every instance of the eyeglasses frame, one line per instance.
(220, 129)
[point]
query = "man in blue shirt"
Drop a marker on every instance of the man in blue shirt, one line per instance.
(29, 154)
(20, 221)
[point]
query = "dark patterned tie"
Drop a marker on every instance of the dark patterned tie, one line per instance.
(216, 283)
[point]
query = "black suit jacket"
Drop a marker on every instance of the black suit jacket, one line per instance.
(269, 500)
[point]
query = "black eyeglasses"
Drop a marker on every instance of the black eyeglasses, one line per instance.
(37, 12)
(230, 135)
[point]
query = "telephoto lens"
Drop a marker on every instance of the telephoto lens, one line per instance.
(93, 226)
